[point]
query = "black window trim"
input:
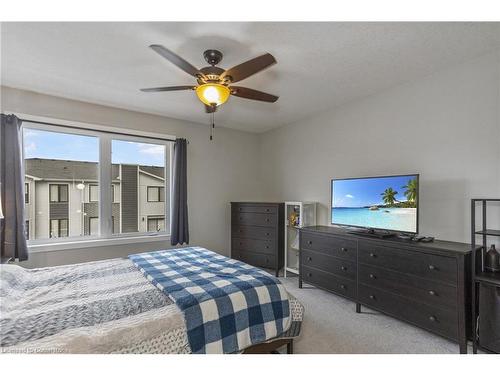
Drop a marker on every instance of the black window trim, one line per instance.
(90, 192)
(58, 193)
(160, 195)
(59, 227)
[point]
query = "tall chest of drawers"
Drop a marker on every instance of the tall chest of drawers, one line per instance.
(257, 233)
(425, 284)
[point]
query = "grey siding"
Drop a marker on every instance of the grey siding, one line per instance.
(129, 197)
(58, 210)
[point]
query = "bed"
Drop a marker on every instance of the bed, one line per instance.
(117, 306)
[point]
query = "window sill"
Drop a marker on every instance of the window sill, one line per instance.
(81, 244)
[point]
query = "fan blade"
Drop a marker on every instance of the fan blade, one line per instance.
(171, 88)
(210, 108)
(245, 92)
(248, 68)
(176, 60)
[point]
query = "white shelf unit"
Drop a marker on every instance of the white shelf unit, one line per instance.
(306, 214)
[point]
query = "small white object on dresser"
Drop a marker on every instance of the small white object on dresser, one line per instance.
(297, 215)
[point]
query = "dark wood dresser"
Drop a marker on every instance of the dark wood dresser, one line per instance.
(257, 233)
(425, 284)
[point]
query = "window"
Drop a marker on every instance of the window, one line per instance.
(156, 224)
(93, 193)
(58, 228)
(26, 193)
(140, 168)
(67, 170)
(27, 229)
(94, 226)
(156, 194)
(58, 193)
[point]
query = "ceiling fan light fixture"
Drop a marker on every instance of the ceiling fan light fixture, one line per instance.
(213, 93)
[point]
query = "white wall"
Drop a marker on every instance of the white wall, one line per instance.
(220, 171)
(445, 127)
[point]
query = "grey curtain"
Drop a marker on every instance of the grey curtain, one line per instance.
(12, 234)
(179, 228)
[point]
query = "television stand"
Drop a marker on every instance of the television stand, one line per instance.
(371, 233)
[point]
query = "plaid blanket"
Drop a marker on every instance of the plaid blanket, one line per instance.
(228, 305)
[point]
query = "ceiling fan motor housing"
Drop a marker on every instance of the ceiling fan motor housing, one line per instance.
(212, 56)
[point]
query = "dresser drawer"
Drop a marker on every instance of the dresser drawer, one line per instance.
(433, 318)
(252, 218)
(329, 281)
(422, 290)
(256, 209)
(246, 231)
(333, 246)
(258, 260)
(430, 266)
(340, 267)
(253, 245)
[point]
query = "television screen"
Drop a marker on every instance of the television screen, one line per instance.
(388, 203)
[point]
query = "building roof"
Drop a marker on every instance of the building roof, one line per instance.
(53, 169)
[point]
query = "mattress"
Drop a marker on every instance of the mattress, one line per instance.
(96, 307)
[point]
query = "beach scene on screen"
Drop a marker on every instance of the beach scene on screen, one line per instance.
(383, 202)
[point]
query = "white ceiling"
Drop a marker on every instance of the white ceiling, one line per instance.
(320, 65)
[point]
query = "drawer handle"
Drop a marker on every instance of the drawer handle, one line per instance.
(309, 259)
(267, 220)
(432, 267)
(372, 276)
(310, 242)
(372, 296)
(432, 318)
(373, 255)
(241, 218)
(267, 209)
(432, 293)
(343, 268)
(309, 274)
(342, 286)
(344, 249)
(267, 234)
(241, 231)
(241, 243)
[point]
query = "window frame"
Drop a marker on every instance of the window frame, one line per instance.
(159, 193)
(58, 228)
(105, 135)
(90, 192)
(154, 217)
(27, 193)
(59, 185)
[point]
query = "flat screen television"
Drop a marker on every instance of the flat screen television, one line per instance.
(388, 203)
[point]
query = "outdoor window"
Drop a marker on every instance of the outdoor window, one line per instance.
(156, 224)
(156, 194)
(141, 170)
(66, 171)
(58, 228)
(58, 193)
(26, 193)
(93, 193)
(94, 226)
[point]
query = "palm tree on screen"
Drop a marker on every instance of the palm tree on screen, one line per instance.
(389, 196)
(411, 190)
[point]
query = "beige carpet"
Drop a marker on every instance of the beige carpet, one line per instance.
(331, 325)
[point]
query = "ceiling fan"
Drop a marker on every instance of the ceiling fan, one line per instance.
(214, 84)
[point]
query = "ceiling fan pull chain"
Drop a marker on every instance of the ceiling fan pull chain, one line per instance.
(212, 127)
